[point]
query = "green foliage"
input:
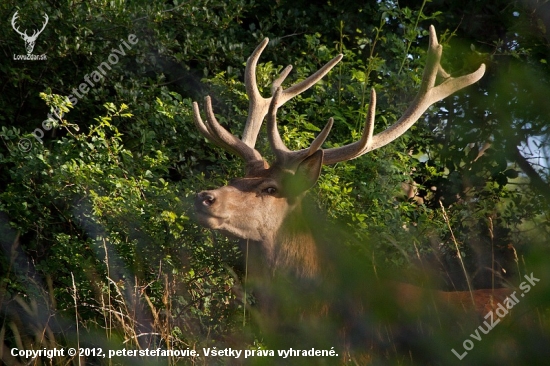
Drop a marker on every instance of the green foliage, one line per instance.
(96, 217)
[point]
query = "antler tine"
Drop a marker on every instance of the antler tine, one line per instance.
(277, 145)
(14, 26)
(45, 24)
(428, 94)
(355, 149)
(258, 108)
(304, 85)
(220, 136)
(202, 127)
(321, 137)
(279, 81)
(258, 105)
(285, 156)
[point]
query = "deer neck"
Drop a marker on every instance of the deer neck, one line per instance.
(293, 249)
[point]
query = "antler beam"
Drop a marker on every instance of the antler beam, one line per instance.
(428, 94)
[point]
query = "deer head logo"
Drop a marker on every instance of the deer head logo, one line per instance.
(29, 40)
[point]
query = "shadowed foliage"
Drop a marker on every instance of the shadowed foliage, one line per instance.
(100, 162)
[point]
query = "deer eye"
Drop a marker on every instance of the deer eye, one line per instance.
(270, 190)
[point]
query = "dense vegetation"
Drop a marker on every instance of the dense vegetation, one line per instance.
(98, 242)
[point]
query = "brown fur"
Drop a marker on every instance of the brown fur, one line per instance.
(247, 210)
(296, 247)
(478, 301)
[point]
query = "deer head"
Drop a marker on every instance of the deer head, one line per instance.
(29, 40)
(265, 205)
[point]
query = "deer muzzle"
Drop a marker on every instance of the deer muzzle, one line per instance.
(204, 199)
(208, 209)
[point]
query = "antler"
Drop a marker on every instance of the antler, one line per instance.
(46, 18)
(428, 94)
(283, 155)
(16, 28)
(35, 34)
(257, 110)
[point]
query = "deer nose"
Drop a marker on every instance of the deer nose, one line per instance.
(206, 198)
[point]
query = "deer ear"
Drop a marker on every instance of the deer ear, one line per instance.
(307, 173)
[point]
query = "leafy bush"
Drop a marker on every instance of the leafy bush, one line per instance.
(99, 244)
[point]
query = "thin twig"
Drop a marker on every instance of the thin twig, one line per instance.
(76, 317)
(458, 252)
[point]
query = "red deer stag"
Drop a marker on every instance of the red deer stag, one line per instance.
(262, 207)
